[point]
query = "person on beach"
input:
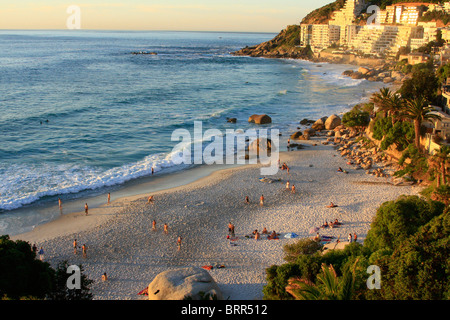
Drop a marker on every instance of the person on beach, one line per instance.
(150, 199)
(257, 235)
(231, 229)
(86, 209)
(179, 243)
(273, 236)
(84, 249)
(104, 277)
(153, 171)
(60, 203)
(261, 200)
(34, 248)
(354, 237)
(41, 254)
(247, 200)
(154, 225)
(264, 231)
(166, 228)
(288, 185)
(109, 198)
(317, 237)
(293, 188)
(331, 205)
(350, 237)
(75, 246)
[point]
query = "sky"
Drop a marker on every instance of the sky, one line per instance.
(180, 15)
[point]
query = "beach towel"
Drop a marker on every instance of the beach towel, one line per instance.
(144, 292)
(291, 235)
(208, 267)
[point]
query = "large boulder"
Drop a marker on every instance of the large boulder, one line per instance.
(296, 135)
(261, 144)
(194, 283)
(332, 122)
(260, 119)
(363, 70)
(319, 125)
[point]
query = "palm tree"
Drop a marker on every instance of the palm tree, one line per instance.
(381, 99)
(395, 107)
(418, 110)
(442, 158)
(329, 287)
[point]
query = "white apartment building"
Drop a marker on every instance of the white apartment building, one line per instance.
(319, 36)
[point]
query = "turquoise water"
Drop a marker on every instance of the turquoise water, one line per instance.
(79, 112)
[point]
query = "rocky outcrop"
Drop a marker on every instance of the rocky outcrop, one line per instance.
(178, 284)
(284, 45)
(260, 119)
(376, 74)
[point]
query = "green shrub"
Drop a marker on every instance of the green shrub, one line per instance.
(397, 220)
(300, 247)
(419, 266)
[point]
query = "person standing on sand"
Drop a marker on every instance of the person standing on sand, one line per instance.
(287, 185)
(179, 243)
(261, 200)
(84, 248)
(75, 245)
(86, 208)
(354, 237)
(293, 188)
(154, 225)
(166, 228)
(231, 229)
(60, 203)
(247, 200)
(109, 198)
(41, 254)
(350, 237)
(104, 277)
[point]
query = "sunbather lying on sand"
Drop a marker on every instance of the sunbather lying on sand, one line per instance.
(332, 205)
(273, 236)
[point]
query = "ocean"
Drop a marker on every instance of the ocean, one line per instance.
(80, 114)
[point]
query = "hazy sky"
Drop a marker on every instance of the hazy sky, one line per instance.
(190, 15)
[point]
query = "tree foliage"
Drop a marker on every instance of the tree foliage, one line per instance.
(21, 274)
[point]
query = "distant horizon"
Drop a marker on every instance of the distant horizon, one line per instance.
(249, 16)
(132, 30)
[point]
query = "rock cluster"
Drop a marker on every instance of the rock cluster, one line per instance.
(376, 74)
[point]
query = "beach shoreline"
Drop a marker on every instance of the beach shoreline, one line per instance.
(121, 242)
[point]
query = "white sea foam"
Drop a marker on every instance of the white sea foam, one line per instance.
(21, 185)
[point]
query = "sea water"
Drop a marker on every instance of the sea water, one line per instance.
(81, 114)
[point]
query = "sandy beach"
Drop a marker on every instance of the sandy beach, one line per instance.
(120, 240)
